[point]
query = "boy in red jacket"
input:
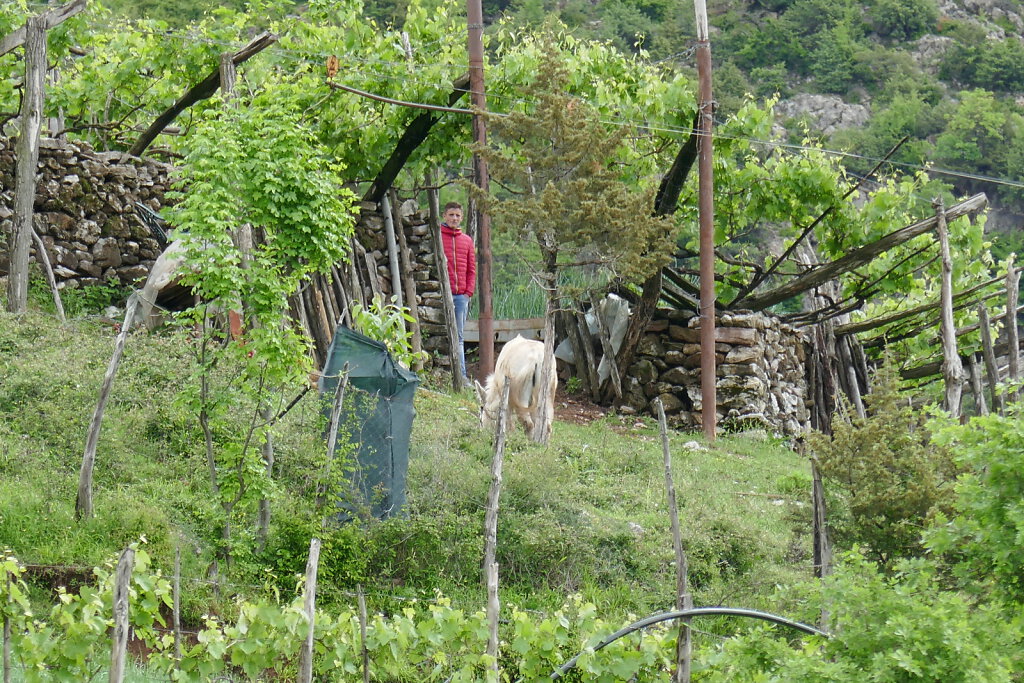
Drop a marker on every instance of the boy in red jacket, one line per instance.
(461, 258)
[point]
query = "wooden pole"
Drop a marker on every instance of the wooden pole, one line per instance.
(475, 47)
(822, 545)
(952, 367)
(389, 233)
(684, 644)
(606, 346)
(441, 265)
(362, 633)
(988, 353)
(122, 586)
(1012, 339)
(977, 387)
(176, 604)
(705, 205)
(589, 360)
(44, 258)
(309, 607)
(7, 633)
(26, 160)
(410, 284)
(83, 503)
(491, 531)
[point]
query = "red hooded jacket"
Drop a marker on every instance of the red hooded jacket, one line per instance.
(461, 256)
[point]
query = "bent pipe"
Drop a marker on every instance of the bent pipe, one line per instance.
(684, 614)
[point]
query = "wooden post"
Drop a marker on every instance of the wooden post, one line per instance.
(684, 600)
(952, 367)
(977, 387)
(846, 358)
(26, 160)
(389, 232)
(572, 331)
(83, 503)
(606, 345)
(989, 354)
(332, 431)
(491, 531)
(176, 604)
(7, 633)
(1012, 339)
(822, 545)
(362, 633)
(441, 265)
(589, 360)
(410, 284)
(122, 587)
(309, 606)
(44, 258)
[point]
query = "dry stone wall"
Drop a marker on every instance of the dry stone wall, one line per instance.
(760, 368)
(85, 210)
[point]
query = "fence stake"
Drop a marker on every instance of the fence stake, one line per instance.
(441, 265)
(989, 354)
(176, 614)
(83, 503)
(952, 367)
(309, 606)
(1012, 340)
(119, 647)
(7, 634)
(44, 258)
(410, 284)
(362, 632)
(491, 532)
(684, 600)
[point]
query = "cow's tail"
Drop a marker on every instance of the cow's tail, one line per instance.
(535, 381)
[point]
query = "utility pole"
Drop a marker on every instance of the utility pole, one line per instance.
(475, 22)
(706, 209)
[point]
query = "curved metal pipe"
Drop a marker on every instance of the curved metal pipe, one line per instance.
(684, 614)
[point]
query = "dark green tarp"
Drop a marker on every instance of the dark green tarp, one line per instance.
(376, 418)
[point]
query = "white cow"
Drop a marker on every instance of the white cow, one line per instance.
(520, 362)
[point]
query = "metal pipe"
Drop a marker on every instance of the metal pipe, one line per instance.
(705, 204)
(475, 23)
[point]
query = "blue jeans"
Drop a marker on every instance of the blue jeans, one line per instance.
(461, 302)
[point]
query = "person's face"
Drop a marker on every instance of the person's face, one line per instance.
(453, 217)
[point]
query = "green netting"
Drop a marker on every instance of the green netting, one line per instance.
(376, 418)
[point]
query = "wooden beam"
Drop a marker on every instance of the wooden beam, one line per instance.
(856, 258)
(201, 91)
(48, 20)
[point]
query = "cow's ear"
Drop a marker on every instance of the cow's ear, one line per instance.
(481, 393)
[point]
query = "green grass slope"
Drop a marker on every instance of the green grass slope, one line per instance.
(584, 515)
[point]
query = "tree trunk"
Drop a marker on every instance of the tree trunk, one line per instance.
(27, 158)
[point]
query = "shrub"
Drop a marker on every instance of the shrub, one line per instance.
(884, 474)
(983, 534)
(883, 628)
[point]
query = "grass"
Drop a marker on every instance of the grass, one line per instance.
(584, 515)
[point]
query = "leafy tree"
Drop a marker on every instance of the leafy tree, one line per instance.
(903, 19)
(979, 135)
(832, 61)
(258, 166)
(884, 474)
